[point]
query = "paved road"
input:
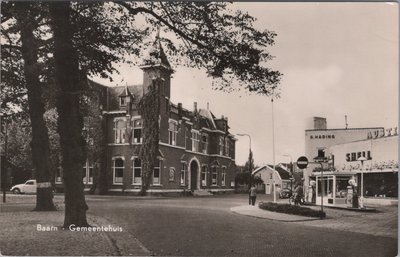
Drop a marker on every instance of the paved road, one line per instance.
(207, 227)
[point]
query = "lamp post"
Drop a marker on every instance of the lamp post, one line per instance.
(273, 147)
(251, 168)
(291, 184)
(247, 136)
(362, 159)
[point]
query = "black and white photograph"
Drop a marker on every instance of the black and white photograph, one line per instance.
(145, 128)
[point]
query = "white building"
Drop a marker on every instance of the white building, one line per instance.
(268, 174)
(379, 170)
(320, 138)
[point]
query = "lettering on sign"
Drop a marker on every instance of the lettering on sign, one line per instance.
(322, 136)
(382, 133)
(351, 157)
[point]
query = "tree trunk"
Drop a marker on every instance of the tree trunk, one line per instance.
(40, 137)
(70, 120)
(103, 178)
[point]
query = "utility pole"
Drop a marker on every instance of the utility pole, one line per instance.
(5, 179)
(273, 149)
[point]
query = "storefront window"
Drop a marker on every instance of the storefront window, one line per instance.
(341, 186)
(327, 183)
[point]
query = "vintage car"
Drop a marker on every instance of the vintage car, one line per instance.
(28, 188)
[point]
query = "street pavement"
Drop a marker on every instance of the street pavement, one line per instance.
(207, 226)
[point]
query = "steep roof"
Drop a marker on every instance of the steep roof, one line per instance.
(285, 175)
(209, 117)
(156, 56)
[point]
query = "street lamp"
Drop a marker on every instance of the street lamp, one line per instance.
(247, 136)
(291, 184)
(273, 146)
(251, 168)
(362, 159)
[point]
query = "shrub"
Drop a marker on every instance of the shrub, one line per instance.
(291, 209)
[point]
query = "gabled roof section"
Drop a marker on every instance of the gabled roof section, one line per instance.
(285, 175)
(209, 117)
(114, 93)
(125, 92)
(282, 172)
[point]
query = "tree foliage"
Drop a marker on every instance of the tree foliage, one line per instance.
(79, 39)
(249, 165)
(149, 107)
(245, 178)
(215, 37)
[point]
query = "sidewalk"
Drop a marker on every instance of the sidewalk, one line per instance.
(384, 222)
(254, 211)
(22, 234)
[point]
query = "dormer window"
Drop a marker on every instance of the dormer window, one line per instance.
(125, 98)
(122, 101)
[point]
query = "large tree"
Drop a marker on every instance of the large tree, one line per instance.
(89, 37)
(27, 23)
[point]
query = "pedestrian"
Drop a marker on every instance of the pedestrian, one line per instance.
(250, 196)
(253, 194)
(298, 194)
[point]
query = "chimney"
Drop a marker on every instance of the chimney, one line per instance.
(208, 106)
(195, 106)
(180, 110)
(320, 123)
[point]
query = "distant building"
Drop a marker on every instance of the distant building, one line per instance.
(196, 149)
(268, 174)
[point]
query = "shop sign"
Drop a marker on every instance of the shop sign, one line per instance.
(351, 157)
(382, 165)
(382, 133)
(322, 136)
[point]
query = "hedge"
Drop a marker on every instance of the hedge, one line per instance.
(291, 209)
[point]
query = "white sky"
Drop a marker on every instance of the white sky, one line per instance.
(337, 59)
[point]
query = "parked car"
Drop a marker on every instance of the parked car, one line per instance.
(285, 193)
(28, 187)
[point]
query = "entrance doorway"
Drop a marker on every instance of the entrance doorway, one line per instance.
(194, 169)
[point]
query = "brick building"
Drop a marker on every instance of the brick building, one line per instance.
(196, 150)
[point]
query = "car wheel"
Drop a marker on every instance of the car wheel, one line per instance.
(16, 191)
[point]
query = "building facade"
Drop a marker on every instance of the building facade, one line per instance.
(369, 156)
(280, 175)
(320, 138)
(196, 149)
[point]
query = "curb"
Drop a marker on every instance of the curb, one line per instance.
(266, 213)
(116, 240)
